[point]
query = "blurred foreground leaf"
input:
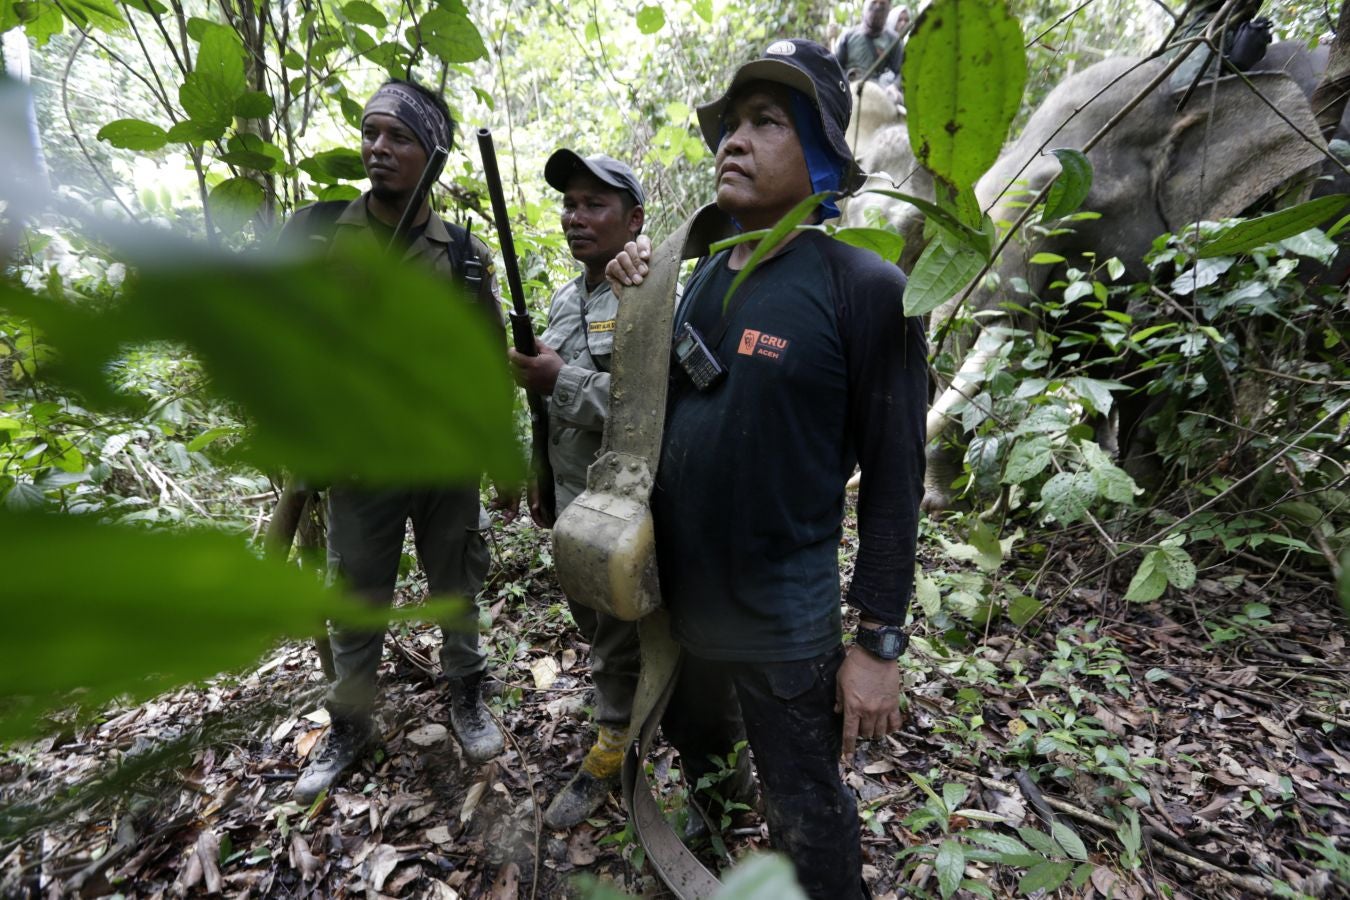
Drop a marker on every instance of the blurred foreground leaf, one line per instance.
(360, 367)
(113, 611)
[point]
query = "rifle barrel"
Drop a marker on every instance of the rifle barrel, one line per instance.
(522, 329)
(435, 161)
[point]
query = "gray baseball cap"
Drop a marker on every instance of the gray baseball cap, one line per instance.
(563, 164)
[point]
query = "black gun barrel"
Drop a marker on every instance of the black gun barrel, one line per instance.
(435, 162)
(522, 328)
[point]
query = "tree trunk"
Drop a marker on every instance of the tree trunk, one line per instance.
(1328, 100)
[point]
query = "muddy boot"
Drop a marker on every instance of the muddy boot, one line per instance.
(349, 738)
(593, 783)
(472, 725)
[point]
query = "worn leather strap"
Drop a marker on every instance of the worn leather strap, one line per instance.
(640, 367)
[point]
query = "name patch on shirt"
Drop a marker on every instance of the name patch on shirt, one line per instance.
(767, 346)
(598, 327)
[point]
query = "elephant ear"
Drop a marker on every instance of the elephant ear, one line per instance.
(1228, 148)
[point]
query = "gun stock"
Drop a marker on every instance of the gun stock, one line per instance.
(522, 328)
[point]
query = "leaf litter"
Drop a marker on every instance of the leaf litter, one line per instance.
(1233, 751)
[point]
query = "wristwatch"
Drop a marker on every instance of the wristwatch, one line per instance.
(886, 642)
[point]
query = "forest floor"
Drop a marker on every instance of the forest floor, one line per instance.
(1166, 755)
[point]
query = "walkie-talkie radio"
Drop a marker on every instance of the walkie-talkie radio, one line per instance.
(697, 359)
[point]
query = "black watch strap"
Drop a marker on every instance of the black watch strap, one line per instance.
(886, 642)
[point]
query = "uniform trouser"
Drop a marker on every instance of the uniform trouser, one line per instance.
(365, 543)
(615, 655)
(786, 711)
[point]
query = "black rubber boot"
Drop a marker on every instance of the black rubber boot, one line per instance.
(349, 738)
(470, 722)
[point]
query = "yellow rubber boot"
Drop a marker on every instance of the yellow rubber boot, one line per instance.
(593, 783)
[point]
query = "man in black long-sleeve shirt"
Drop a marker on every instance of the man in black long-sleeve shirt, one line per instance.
(823, 372)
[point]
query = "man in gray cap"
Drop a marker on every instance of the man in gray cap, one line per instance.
(818, 370)
(601, 211)
(401, 125)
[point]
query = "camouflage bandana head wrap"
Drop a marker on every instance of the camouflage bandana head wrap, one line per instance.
(410, 107)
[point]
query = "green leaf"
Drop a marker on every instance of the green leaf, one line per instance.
(926, 595)
(450, 35)
(253, 105)
(943, 268)
(989, 556)
(1046, 876)
(1176, 564)
(209, 436)
(1114, 483)
(650, 19)
(1067, 838)
(209, 93)
(1094, 392)
(331, 166)
(190, 132)
(1149, 580)
(964, 70)
(762, 876)
(336, 362)
(252, 152)
(1274, 226)
(1039, 841)
(704, 10)
(362, 13)
(886, 244)
(133, 134)
(1071, 186)
(1029, 458)
(943, 218)
(234, 202)
(144, 611)
(1003, 843)
(24, 497)
(148, 6)
(1067, 495)
(1023, 608)
(1046, 259)
(951, 866)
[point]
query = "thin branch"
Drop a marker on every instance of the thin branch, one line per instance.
(74, 132)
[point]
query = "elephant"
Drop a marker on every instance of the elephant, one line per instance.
(1157, 170)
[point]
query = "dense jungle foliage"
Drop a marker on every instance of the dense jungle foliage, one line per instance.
(159, 372)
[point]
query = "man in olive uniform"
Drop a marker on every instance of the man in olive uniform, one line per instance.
(862, 45)
(601, 211)
(400, 127)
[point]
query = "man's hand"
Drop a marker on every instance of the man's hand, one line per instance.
(507, 502)
(537, 511)
(630, 266)
(536, 373)
(867, 691)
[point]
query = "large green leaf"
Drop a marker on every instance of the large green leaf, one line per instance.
(209, 92)
(1044, 876)
(1275, 226)
(650, 19)
(944, 268)
(112, 611)
(951, 866)
(362, 13)
(763, 876)
(331, 166)
(1149, 579)
(356, 367)
(133, 134)
(964, 70)
(234, 202)
(1067, 495)
(1029, 458)
(253, 105)
(450, 35)
(886, 244)
(1071, 186)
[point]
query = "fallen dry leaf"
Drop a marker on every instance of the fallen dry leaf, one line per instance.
(544, 671)
(382, 861)
(569, 659)
(438, 835)
(471, 800)
(305, 742)
(428, 735)
(880, 767)
(581, 850)
(506, 886)
(303, 861)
